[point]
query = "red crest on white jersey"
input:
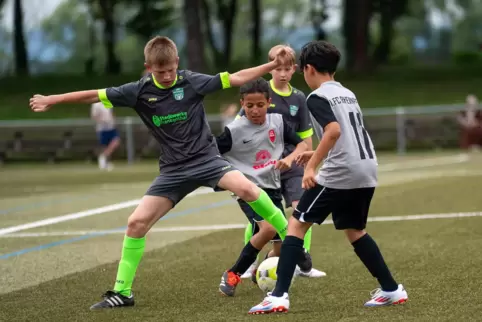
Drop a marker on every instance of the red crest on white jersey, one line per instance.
(272, 136)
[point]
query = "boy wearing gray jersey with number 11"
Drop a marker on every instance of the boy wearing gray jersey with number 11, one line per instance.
(344, 185)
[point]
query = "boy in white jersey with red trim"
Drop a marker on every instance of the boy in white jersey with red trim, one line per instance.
(344, 185)
(291, 103)
(254, 144)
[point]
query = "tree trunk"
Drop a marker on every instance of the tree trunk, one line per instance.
(256, 32)
(113, 65)
(21, 55)
(357, 15)
(195, 39)
(206, 11)
(383, 49)
(228, 15)
(390, 12)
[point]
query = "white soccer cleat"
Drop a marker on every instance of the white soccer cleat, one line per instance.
(250, 271)
(102, 160)
(272, 304)
(382, 298)
(314, 273)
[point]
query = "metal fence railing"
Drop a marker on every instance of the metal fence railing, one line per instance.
(398, 128)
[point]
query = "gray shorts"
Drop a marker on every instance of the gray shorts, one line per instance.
(291, 189)
(176, 185)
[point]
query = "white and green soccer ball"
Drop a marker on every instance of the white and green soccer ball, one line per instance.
(266, 274)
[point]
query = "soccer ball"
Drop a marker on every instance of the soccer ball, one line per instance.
(266, 274)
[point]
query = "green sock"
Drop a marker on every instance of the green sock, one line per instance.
(266, 209)
(248, 233)
(307, 243)
(131, 257)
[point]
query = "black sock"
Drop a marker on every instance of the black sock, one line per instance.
(246, 258)
(369, 253)
(291, 253)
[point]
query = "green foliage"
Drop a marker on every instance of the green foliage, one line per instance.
(467, 58)
(150, 16)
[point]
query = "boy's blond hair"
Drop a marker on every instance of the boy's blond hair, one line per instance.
(160, 51)
(272, 53)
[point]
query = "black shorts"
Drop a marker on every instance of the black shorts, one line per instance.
(177, 184)
(349, 207)
(253, 217)
(291, 189)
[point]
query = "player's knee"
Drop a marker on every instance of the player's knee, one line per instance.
(354, 234)
(248, 191)
(297, 228)
(268, 231)
(137, 227)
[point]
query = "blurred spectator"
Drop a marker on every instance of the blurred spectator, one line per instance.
(228, 113)
(471, 123)
(106, 132)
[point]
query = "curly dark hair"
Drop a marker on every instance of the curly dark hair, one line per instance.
(259, 85)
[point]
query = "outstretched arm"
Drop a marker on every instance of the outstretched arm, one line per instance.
(41, 103)
(246, 75)
(122, 96)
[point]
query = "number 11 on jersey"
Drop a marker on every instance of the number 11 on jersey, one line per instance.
(357, 124)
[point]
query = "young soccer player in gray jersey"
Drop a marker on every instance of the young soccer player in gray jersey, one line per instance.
(291, 103)
(170, 103)
(254, 144)
(344, 185)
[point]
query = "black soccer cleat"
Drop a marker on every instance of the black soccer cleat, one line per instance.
(306, 263)
(112, 300)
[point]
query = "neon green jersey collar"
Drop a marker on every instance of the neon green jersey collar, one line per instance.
(163, 87)
(280, 93)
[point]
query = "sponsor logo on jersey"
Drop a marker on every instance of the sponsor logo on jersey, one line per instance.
(159, 120)
(263, 160)
(178, 93)
(293, 110)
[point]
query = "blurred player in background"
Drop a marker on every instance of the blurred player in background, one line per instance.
(228, 114)
(291, 103)
(106, 132)
(471, 122)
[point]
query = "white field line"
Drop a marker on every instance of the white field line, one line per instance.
(132, 203)
(424, 163)
(234, 226)
(86, 213)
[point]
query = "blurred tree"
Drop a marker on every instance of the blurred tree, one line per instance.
(226, 12)
(2, 2)
(318, 17)
(196, 59)
(150, 17)
(256, 31)
(356, 19)
(104, 10)
(390, 11)
(65, 36)
(21, 55)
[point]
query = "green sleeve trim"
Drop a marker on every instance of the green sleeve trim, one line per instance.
(225, 80)
(305, 134)
(102, 93)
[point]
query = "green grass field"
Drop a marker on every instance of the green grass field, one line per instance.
(53, 267)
